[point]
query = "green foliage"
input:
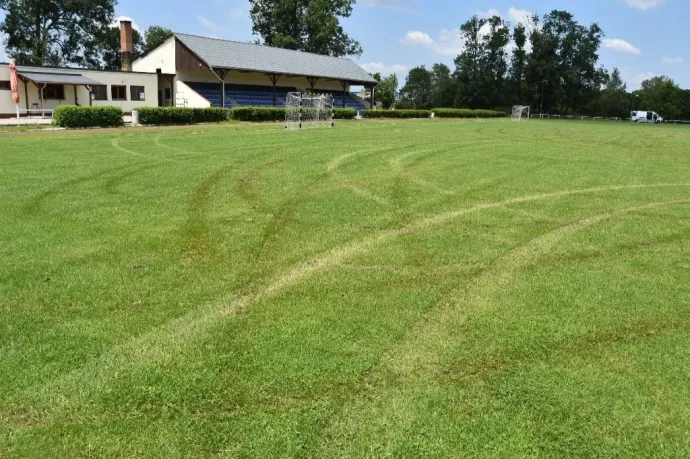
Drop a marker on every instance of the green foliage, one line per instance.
(155, 36)
(443, 86)
(109, 48)
(397, 113)
(417, 90)
(56, 32)
(661, 94)
(344, 113)
(258, 114)
(181, 115)
(306, 25)
(73, 116)
(467, 113)
(387, 90)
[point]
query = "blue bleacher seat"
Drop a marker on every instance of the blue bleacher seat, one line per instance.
(262, 96)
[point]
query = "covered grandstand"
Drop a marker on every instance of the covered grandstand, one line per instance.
(202, 72)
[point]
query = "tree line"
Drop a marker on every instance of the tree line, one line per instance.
(69, 33)
(549, 63)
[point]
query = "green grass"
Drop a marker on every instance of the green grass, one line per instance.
(414, 289)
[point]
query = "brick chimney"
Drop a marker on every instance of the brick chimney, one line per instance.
(126, 45)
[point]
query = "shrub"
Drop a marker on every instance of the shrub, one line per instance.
(344, 113)
(397, 114)
(181, 115)
(467, 113)
(73, 116)
(258, 113)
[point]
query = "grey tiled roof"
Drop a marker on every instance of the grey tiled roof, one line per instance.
(247, 56)
(57, 78)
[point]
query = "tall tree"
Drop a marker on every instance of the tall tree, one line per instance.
(614, 97)
(109, 50)
(662, 94)
(55, 32)
(387, 90)
(417, 90)
(306, 25)
(495, 64)
(468, 63)
(155, 36)
(442, 87)
(518, 64)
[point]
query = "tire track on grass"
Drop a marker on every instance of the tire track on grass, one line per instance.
(36, 202)
(420, 352)
(44, 403)
(115, 143)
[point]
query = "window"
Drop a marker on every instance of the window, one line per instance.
(99, 92)
(137, 93)
(5, 85)
(118, 92)
(54, 91)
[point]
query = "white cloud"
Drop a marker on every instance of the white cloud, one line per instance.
(487, 14)
(635, 78)
(383, 69)
(237, 13)
(448, 41)
(643, 5)
(116, 22)
(672, 60)
(620, 46)
(206, 23)
(417, 37)
(518, 16)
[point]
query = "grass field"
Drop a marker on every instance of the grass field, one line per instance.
(384, 289)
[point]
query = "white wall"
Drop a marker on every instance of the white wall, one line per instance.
(148, 81)
(162, 58)
(194, 100)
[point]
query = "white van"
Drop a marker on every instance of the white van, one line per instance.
(645, 117)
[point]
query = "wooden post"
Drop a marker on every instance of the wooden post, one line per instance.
(88, 88)
(172, 90)
(274, 80)
(26, 93)
(312, 82)
(76, 98)
(373, 97)
(221, 75)
(344, 83)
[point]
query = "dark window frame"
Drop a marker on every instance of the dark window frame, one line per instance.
(135, 92)
(104, 94)
(54, 92)
(118, 87)
(5, 85)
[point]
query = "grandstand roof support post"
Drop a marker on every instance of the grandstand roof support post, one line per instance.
(220, 73)
(344, 83)
(373, 97)
(312, 82)
(274, 79)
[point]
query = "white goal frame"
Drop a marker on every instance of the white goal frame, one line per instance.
(520, 113)
(308, 111)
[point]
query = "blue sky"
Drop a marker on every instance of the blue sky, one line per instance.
(643, 37)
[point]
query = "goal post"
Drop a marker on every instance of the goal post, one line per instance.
(520, 113)
(304, 111)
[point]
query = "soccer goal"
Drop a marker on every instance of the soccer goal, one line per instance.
(304, 111)
(520, 113)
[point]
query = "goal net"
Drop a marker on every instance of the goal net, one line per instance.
(303, 111)
(520, 113)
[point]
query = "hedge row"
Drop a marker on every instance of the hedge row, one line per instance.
(467, 113)
(181, 115)
(259, 114)
(73, 116)
(397, 114)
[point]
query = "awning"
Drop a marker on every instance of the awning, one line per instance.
(58, 78)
